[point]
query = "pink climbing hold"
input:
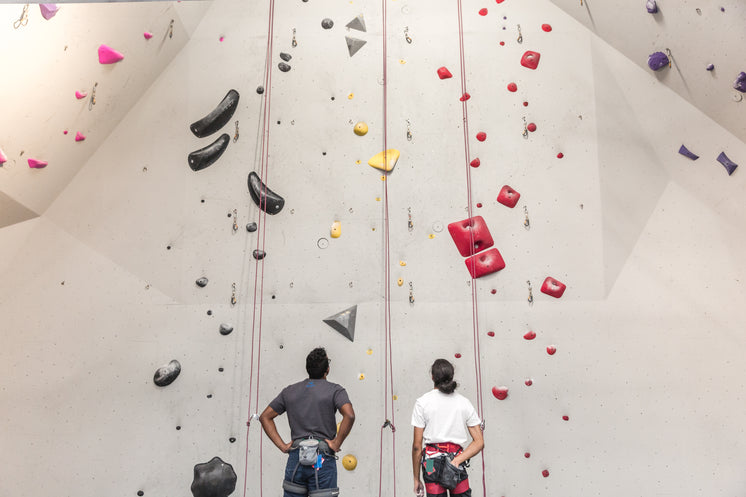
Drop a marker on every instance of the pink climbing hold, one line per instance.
(444, 73)
(500, 393)
(147, 35)
(473, 230)
(79, 137)
(37, 164)
(221, 38)
(508, 197)
(3, 158)
(48, 10)
(531, 127)
(465, 97)
(552, 287)
(545, 473)
(530, 59)
(512, 87)
(64, 132)
(488, 262)
(475, 163)
(530, 335)
(482, 12)
(490, 333)
(551, 350)
(80, 94)
(107, 55)
(546, 27)
(481, 136)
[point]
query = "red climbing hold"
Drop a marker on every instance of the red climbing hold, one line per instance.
(551, 350)
(546, 27)
(481, 136)
(525, 104)
(458, 356)
(512, 87)
(473, 230)
(527, 455)
(530, 59)
(479, 205)
(482, 12)
(566, 418)
(502, 43)
(560, 155)
(444, 73)
(531, 127)
(490, 333)
(529, 382)
(530, 335)
(501, 393)
(465, 97)
(493, 291)
(545, 473)
(553, 287)
(499, 1)
(488, 262)
(475, 163)
(508, 197)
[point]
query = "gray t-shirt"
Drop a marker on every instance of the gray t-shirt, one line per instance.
(311, 406)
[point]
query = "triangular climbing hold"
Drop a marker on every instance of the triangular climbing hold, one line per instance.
(107, 55)
(353, 45)
(344, 322)
(357, 23)
(377, 161)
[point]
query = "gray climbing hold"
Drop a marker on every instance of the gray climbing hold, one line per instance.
(251, 227)
(259, 254)
(344, 322)
(353, 45)
(327, 23)
(686, 153)
(285, 56)
(214, 479)
(165, 375)
(652, 7)
(226, 329)
(201, 282)
(357, 23)
(283, 67)
(740, 83)
(260, 89)
(657, 61)
(263, 197)
(728, 164)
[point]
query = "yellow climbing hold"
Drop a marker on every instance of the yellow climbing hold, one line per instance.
(361, 376)
(402, 263)
(336, 230)
(396, 397)
(361, 129)
(378, 199)
(351, 96)
(369, 351)
(387, 164)
(402, 61)
(431, 236)
(383, 177)
(400, 281)
(349, 462)
(357, 161)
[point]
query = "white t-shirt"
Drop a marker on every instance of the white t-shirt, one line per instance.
(445, 417)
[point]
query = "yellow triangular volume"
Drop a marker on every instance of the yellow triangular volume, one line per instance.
(377, 161)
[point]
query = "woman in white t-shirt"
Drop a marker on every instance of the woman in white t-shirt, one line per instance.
(443, 420)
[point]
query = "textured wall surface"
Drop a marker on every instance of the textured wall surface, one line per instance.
(99, 291)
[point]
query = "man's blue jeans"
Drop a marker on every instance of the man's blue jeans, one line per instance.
(306, 475)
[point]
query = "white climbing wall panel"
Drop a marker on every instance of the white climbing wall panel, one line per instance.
(99, 291)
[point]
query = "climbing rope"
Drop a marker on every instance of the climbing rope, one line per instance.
(474, 301)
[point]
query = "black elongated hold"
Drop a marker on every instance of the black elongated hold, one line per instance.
(251, 227)
(259, 254)
(201, 282)
(216, 119)
(285, 56)
(165, 375)
(205, 157)
(266, 199)
(283, 67)
(226, 329)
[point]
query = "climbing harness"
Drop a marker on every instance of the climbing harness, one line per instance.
(311, 452)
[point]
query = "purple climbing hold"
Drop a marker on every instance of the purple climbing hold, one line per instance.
(658, 61)
(740, 83)
(652, 7)
(710, 67)
(728, 164)
(686, 153)
(48, 10)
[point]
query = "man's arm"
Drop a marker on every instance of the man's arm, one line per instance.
(474, 448)
(348, 419)
(417, 459)
(267, 419)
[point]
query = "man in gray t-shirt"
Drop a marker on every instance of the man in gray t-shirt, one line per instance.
(311, 406)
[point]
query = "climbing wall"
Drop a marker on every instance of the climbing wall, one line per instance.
(595, 323)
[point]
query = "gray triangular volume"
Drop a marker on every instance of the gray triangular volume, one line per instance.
(344, 322)
(353, 45)
(357, 23)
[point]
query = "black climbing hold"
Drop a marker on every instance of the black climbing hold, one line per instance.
(140, 493)
(214, 479)
(205, 157)
(251, 227)
(283, 67)
(266, 199)
(201, 282)
(285, 56)
(178, 428)
(168, 247)
(225, 329)
(259, 254)
(165, 375)
(209, 396)
(209, 312)
(260, 89)
(216, 119)
(327, 23)
(232, 440)
(220, 370)
(229, 214)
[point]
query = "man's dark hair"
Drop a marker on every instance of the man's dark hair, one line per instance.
(442, 373)
(317, 363)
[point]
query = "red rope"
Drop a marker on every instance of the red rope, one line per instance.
(475, 308)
